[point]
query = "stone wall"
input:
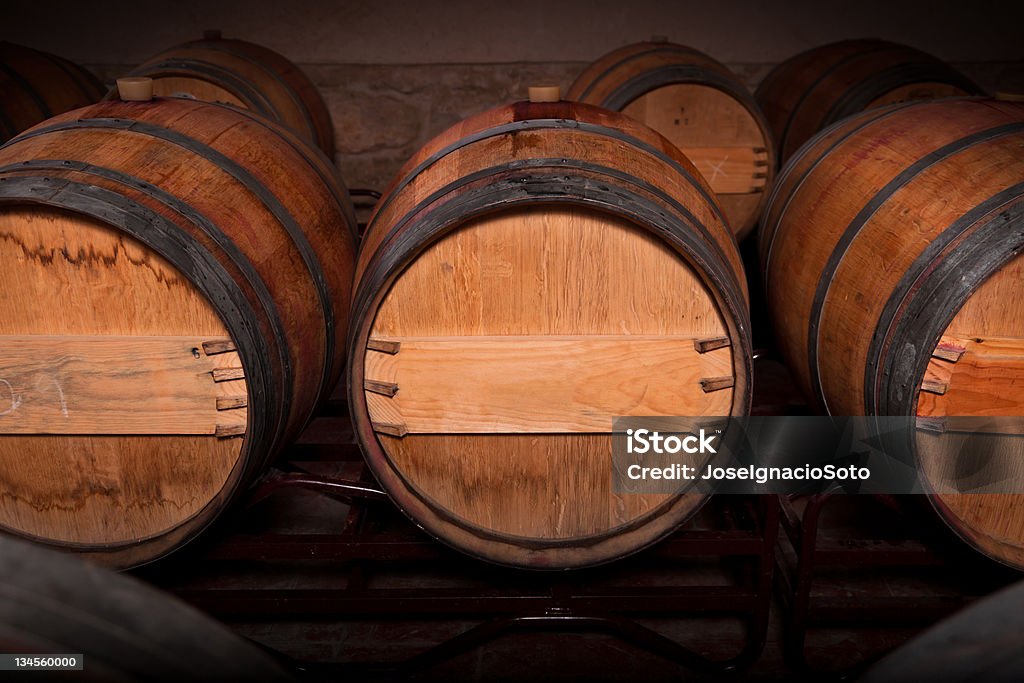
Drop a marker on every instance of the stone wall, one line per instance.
(383, 113)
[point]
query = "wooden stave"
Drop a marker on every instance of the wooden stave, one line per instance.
(39, 84)
(924, 291)
(284, 93)
(604, 83)
(379, 264)
(286, 401)
(861, 65)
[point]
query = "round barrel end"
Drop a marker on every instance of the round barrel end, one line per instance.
(135, 88)
(544, 93)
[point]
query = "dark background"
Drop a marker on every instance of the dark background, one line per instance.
(396, 72)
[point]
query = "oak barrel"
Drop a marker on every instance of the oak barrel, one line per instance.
(217, 69)
(120, 628)
(892, 257)
(818, 87)
(700, 106)
(174, 286)
(532, 272)
(36, 85)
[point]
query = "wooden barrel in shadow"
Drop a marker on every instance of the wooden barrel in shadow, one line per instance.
(117, 628)
(533, 272)
(892, 257)
(700, 106)
(217, 69)
(175, 280)
(36, 85)
(816, 88)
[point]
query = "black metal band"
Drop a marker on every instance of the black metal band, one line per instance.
(326, 169)
(983, 252)
(931, 293)
(862, 217)
(672, 74)
(655, 48)
(230, 81)
(504, 188)
(861, 95)
(247, 180)
(199, 267)
(822, 77)
(768, 230)
(223, 242)
(222, 47)
(541, 124)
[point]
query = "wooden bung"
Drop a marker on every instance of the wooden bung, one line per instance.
(163, 334)
(701, 107)
(544, 93)
(135, 88)
(891, 253)
(248, 76)
(497, 334)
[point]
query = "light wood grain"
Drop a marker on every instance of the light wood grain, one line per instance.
(712, 127)
(105, 385)
(478, 385)
(130, 498)
(988, 379)
(975, 370)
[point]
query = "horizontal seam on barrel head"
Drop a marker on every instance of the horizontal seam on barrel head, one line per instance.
(247, 180)
(903, 178)
(381, 274)
(235, 255)
(924, 266)
(123, 214)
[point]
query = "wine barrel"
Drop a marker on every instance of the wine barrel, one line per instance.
(818, 87)
(36, 85)
(175, 277)
(979, 642)
(532, 272)
(700, 106)
(119, 628)
(216, 69)
(891, 250)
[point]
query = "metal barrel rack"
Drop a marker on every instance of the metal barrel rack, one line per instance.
(736, 535)
(888, 572)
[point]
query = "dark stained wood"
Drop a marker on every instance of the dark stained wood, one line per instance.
(247, 75)
(818, 87)
(36, 85)
(237, 191)
(893, 278)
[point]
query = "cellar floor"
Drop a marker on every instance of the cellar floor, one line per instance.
(335, 645)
